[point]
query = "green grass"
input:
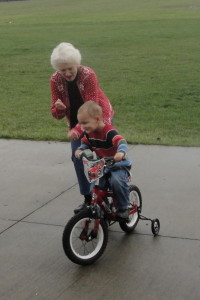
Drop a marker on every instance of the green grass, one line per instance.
(145, 53)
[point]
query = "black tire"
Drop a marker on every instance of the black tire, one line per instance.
(135, 197)
(79, 251)
(155, 227)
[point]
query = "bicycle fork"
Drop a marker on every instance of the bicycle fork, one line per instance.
(85, 234)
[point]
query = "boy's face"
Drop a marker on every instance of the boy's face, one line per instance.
(89, 124)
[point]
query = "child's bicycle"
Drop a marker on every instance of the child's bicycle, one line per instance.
(85, 236)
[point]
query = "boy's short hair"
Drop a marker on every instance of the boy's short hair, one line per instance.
(92, 108)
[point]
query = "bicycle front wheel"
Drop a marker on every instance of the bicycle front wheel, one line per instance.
(81, 244)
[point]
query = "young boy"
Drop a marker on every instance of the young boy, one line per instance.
(106, 142)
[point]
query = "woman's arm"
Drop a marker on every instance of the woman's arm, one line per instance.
(58, 108)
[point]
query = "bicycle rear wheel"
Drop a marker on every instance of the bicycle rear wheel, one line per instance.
(135, 200)
(80, 244)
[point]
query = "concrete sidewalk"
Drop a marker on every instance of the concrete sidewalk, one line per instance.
(38, 192)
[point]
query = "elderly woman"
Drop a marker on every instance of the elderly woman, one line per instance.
(71, 85)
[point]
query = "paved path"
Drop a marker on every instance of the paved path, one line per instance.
(38, 192)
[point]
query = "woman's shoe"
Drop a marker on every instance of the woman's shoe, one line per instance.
(84, 205)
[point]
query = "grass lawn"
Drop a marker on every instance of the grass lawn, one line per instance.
(145, 53)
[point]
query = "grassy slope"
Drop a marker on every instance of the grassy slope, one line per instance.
(145, 54)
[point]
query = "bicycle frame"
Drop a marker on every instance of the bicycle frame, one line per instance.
(94, 170)
(101, 207)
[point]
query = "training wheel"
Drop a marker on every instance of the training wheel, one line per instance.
(155, 226)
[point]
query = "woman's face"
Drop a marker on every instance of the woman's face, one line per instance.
(68, 70)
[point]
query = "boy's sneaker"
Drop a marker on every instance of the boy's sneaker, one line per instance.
(122, 214)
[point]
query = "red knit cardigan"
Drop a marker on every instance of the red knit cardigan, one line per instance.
(88, 85)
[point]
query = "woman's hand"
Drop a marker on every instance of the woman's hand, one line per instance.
(73, 135)
(60, 105)
(118, 156)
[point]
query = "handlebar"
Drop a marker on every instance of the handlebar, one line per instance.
(109, 162)
(91, 156)
(95, 167)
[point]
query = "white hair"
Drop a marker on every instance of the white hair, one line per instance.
(65, 53)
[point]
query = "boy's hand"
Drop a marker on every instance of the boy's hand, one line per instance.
(119, 156)
(77, 153)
